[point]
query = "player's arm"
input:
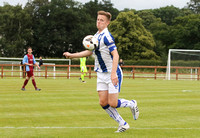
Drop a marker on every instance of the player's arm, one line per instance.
(109, 41)
(114, 77)
(85, 53)
(35, 63)
(28, 64)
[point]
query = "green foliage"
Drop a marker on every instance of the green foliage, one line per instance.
(132, 39)
(160, 22)
(15, 30)
(194, 5)
(158, 29)
(148, 18)
(59, 26)
(185, 32)
(92, 7)
(49, 27)
(52, 27)
(145, 62)
(184, 63)
(169, 13)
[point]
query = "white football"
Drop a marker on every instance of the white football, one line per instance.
(90, 42)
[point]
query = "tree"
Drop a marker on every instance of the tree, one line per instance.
(168, 14)
(185, 32)
(132, 39)
(194, 5)
(50, 27)
(148, 18)
(93, 7)
(159, 22)
(158, 29)
(59, 25)
(15, 30)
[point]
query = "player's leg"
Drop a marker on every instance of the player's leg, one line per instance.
(112, 112)
(125, 103)
(34, 83)
(82, 77)
(26, 81)
(84, 71)
(132, 104)
(103, 101)
(113, 102)
(84, 74)
(113, 89)
(102, 88)
(113, 99)
(103, 98)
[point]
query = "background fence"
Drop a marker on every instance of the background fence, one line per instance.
(153, 72)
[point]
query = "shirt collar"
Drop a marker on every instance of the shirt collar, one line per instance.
(103, 31)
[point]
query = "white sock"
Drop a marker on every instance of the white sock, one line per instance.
(115, 115)
(125, 103)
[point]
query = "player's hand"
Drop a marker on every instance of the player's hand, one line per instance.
(30, 64)
(114, 79)
(38, 67)
(67, 54)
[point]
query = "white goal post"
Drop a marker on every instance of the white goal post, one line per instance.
(183, 52)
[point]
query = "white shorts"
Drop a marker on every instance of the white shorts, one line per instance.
(104, 82)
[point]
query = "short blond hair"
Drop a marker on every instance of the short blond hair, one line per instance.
(107, 14)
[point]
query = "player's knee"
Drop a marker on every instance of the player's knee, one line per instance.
(114, 105)
(103, 103)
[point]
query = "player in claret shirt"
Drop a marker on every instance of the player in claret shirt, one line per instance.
(29, 61)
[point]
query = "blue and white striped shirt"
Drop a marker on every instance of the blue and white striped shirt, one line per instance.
(104, 58)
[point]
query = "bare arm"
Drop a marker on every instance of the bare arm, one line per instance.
(114, 67)
(37, 65)
(78, 55)
(28, 64)
(25, 61)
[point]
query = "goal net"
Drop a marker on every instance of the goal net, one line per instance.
(183, 62)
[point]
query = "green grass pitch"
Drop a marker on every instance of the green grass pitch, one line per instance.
(68, 108)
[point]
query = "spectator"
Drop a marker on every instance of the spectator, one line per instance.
(40, 62)
(121, 62)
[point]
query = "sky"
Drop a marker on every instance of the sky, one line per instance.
(121, 4)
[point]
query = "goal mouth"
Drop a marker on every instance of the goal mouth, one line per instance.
(184, 62)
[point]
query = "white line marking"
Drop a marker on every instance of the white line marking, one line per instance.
(186, 90)
(11, 127)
